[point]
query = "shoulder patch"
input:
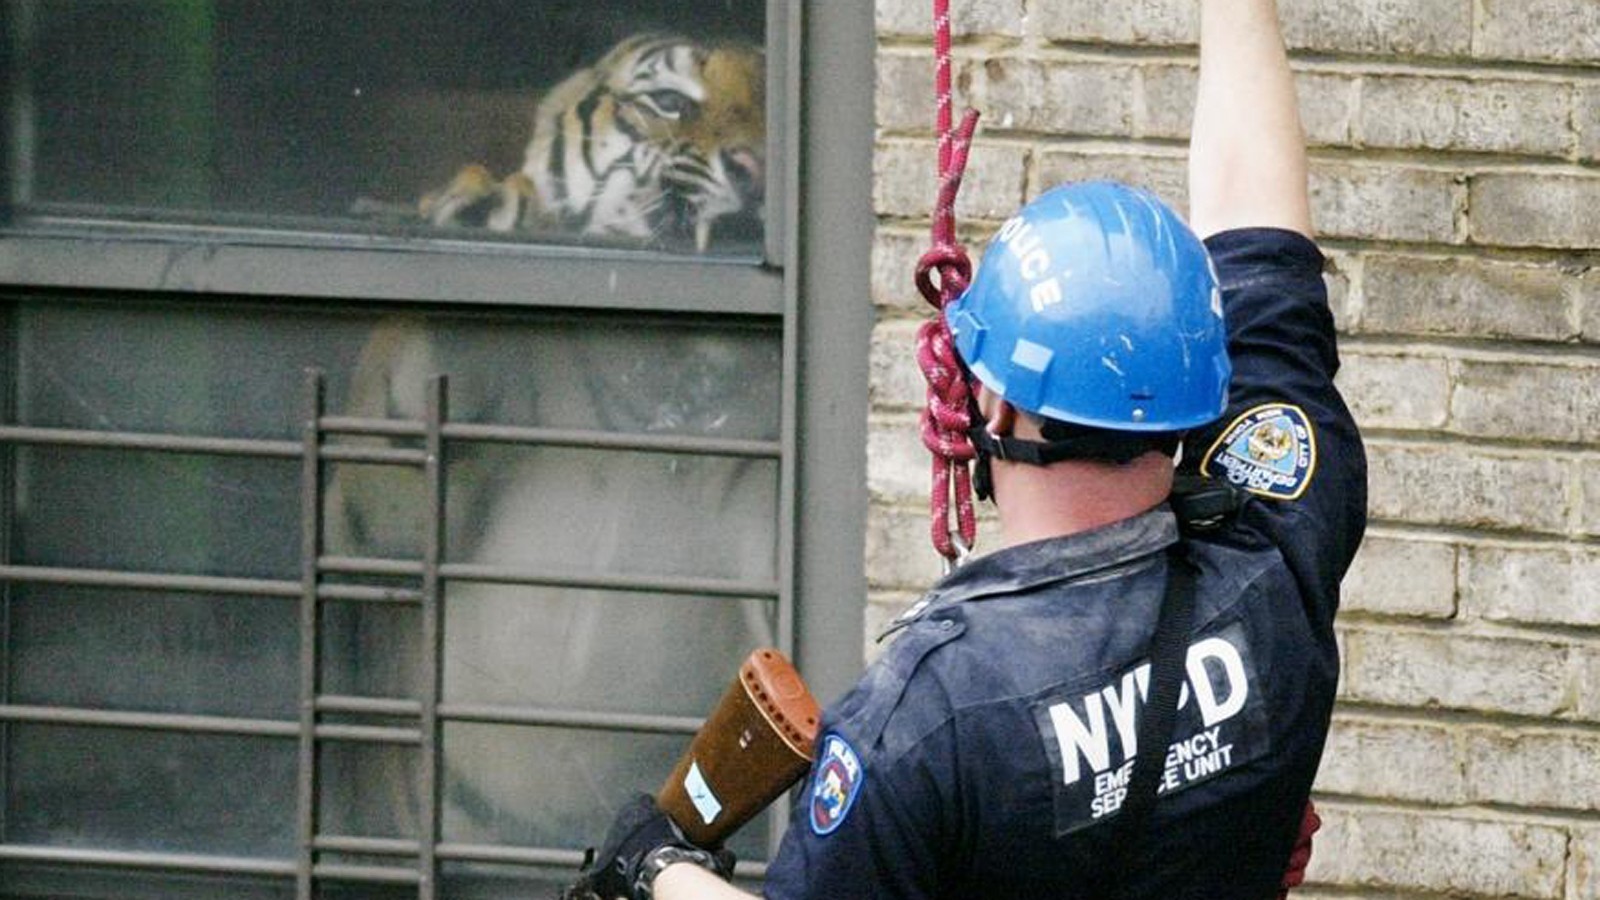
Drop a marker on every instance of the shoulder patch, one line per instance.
(835, 784)
(1269, 450)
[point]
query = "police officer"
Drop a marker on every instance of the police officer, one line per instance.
(991, 752)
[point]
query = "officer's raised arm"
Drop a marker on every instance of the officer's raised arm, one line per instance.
(1247, 159)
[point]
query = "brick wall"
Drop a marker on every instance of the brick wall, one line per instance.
(1456, 183)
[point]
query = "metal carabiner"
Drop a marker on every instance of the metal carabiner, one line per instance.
(963, 553)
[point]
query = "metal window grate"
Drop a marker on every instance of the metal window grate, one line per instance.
(429, 711)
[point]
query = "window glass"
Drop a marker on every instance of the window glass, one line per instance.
(628, 123)
(595, 558)
(138, 790)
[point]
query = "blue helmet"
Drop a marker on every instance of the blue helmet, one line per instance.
(1097, 305)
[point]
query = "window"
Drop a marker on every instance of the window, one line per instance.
(638, 124)
(352, 551)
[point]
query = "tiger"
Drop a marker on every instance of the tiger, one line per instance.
(556, 509)
(655, 144)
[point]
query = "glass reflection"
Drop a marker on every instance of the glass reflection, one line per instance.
(237, 371)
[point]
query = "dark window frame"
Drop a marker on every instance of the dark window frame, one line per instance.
(813, 279)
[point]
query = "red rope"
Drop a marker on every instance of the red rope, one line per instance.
(945, 420)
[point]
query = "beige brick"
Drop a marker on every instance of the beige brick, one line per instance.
(905, 183)
(1169, 92)
(1524, 210)
(1527, 402)
(1583, 865)
(1491, 116)
(1538, 587)
(1457, 485)
(1586, 659)
(1452, 671)
(1438, 853)
(1464, 297)
(1161, 22)
(1384, 202)
(1588, 299)
(1542, 769)
(1327, 104)
(900, 554)
(1060, 98)
(894, 266)
(1342, 693)
(897, 464)
(1396, 391)
(904, 99)
(1399, 577)
(1387, 27)
(1167, 176)
(896, 380)
(1586, 118)
(1392, 761)
(1327, 107)
(915, 17)
(1589, 488)
(1544, 30)
(1337, 274)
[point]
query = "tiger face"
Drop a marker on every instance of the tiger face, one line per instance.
(657, 142)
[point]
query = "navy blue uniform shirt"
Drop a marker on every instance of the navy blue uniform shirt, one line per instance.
(985, 754)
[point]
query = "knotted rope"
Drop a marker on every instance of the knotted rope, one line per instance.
(945, 419)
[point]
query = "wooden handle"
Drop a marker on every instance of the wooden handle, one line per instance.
(754, 746)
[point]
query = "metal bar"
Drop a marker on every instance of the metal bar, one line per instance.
(255, 261)
(366, 734)
(561, 718)
(499, 434)
(373, 427)
(203, 584)
(8, 506)
(367, 706)
(260, 587)
(177, 722)
(235, 865)
(279, 728)
(556, 437)
(176, 862)
(310, 552)
(369, 874)
(785, 28)
(781, 96)
(356, 453)
(540, 856)
(358, 565)
(355, 593)
(432, 639)
(522, 856)
(366, 846)
(606, 440)
(151, 581)
(203, 446)
(167, 443)
(699, 587)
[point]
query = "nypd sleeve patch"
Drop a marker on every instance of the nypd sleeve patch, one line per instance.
(835, 784)
(1270, 451)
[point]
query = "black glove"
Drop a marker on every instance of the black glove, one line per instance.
(640, 829)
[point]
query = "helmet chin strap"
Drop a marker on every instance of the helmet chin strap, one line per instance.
(1065, 442)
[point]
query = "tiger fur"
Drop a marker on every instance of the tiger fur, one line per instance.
(655, 144)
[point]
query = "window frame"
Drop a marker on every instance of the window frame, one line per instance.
(812, 278)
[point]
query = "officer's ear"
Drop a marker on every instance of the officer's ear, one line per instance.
(999, 416)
